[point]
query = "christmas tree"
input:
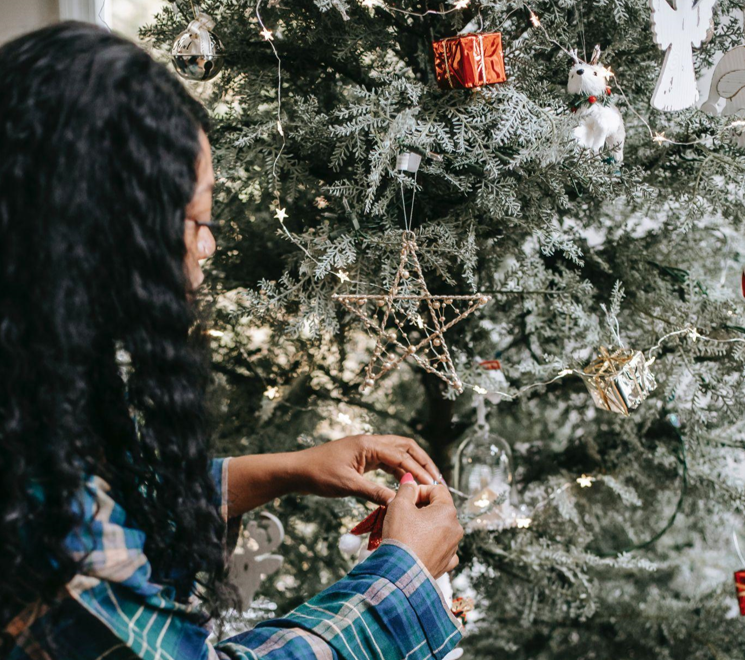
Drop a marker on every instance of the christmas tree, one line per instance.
(625, 542)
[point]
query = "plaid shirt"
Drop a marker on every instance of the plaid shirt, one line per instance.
(388, 607)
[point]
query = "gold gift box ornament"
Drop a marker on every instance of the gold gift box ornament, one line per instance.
(619, 381)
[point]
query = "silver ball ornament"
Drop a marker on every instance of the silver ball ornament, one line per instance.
(198, 53)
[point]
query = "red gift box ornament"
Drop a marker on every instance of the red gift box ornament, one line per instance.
(740, 587)
(469, 60)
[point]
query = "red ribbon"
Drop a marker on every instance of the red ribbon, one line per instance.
(372, 525)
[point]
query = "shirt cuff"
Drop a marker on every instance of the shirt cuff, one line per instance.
(219, 471)
(220, 477)
(398, 563)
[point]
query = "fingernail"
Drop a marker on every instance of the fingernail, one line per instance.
(408, 478)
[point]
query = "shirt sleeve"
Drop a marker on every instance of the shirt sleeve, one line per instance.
(219, 470)
(389, 606)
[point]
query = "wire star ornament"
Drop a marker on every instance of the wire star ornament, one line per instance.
(409, 307)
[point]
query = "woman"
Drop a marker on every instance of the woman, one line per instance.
(110, 509)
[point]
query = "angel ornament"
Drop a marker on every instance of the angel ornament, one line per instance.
(678, 28)
(600, 121)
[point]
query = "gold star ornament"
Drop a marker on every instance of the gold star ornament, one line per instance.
(409, 322)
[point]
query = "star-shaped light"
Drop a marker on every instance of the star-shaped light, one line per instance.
(342, 275)
(267, 34)
(271, 392)
(410, 308)
(280, 214)
(462, 4)
(585, 481)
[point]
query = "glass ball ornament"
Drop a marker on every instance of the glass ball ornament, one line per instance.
(484, 473)
(198, 53)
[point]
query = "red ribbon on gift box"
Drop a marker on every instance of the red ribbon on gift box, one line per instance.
(740, 587)
(469, 60)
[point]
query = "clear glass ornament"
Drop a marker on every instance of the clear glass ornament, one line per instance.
(484, 473)
(198, 53)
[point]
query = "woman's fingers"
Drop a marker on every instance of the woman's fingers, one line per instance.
(422, 457)
(396, 454)
(371, 491)
(400, 461)
(435, 494)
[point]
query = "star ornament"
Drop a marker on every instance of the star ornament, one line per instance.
(409, 322)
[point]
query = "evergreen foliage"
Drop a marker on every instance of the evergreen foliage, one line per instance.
(640, 564)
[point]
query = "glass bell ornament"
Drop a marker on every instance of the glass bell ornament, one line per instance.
(198, 53)
(483, 472)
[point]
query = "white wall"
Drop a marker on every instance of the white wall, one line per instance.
(19, 16)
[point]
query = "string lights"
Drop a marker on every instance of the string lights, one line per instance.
(689, 331)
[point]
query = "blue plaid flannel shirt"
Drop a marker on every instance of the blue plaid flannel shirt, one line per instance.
(388, 607)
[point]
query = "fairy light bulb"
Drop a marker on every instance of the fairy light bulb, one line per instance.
(585, 481)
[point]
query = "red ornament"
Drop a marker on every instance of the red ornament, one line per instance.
(469, 60)
(592, 99)
(574, 108)
(608, 91)
(491, 365)
(740, 587)
(372, 525)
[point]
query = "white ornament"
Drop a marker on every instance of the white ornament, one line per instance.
(677, 30)
(349, 545)
(728, 84)
(408, 161)
(600, 122)
(252, 560)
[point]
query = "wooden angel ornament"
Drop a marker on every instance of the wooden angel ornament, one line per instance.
(252, 560)
(600, 121)
(678, 28)
(728, 85)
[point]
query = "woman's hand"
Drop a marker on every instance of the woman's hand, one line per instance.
(336, 469)
(333, 469)
(424, 519)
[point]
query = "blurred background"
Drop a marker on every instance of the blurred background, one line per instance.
(122, 16)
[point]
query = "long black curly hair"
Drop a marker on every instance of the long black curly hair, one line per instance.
(98, 152)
